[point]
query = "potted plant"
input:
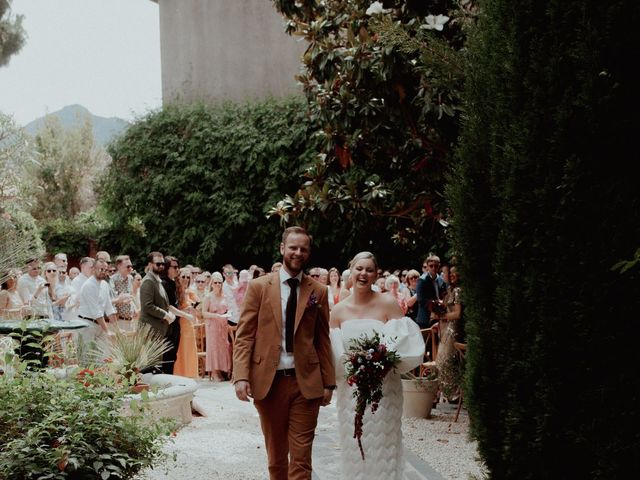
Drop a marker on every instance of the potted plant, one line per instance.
(419, 394)
(129, 354)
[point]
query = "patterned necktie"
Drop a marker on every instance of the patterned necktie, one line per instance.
(292, 305)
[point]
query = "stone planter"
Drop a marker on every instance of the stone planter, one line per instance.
(418, 397)
(172, 398)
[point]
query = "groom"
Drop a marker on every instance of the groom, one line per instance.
(282, 357)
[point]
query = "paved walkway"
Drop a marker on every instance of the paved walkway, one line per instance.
(228, 444)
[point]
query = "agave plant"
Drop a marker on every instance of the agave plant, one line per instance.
(129, 353)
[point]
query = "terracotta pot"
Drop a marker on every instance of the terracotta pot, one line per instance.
(139, 388)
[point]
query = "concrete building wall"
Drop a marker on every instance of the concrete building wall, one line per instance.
(216, 50)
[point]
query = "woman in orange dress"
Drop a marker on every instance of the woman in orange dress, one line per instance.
(214, 312)
(334, 284)
(187, 357)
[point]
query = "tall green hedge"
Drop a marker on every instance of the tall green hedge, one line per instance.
(544, 205)
(198, 181)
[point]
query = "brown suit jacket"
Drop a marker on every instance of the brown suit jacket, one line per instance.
(256, 351)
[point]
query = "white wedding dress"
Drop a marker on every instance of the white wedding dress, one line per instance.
(381, 432)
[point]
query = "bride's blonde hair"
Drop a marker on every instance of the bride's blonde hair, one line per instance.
(363, 256)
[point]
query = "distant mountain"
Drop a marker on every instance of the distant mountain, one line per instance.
(104, 129)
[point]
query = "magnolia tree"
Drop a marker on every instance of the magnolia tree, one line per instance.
(383, 83)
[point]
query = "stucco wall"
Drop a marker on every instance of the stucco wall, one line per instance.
(225, 49)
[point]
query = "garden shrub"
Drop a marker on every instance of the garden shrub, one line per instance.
(73, 428)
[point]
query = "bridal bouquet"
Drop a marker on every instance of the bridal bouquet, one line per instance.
(368, 362)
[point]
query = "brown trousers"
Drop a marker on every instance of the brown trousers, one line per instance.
(288, 423)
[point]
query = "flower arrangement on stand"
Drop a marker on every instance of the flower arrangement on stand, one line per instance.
(367, 363)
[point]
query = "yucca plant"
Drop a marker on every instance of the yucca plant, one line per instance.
(129, 353)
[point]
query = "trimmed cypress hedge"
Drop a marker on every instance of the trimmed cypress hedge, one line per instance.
(544, 205)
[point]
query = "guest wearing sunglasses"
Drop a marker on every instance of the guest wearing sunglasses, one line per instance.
(154, 302)
(187, 356)
(31, 287)
(215, 313)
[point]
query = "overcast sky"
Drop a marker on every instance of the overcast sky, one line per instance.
(102, 54)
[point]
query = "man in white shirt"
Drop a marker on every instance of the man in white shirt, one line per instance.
(86, 271)
(31, 288)
(62, 263)
(95, 303)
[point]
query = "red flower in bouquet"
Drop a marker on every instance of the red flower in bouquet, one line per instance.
(368, 362)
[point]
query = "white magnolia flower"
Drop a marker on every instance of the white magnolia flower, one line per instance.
(374, 8)
(435, 22)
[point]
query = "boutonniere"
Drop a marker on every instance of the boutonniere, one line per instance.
(313, 300)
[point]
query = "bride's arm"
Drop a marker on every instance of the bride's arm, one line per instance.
(335, 318)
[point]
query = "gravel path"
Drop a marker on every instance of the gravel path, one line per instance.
(228, 443)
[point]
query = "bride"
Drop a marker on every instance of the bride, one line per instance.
(366, 312)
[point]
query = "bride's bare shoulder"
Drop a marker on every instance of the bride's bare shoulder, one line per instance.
(389, 306)
(338, 313)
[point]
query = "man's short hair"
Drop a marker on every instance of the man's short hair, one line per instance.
(296, 230)
(122, 258)
(84, 260)
(432, 257)
(60, 256)
(31, 260)
(102, 253)
(152, 255)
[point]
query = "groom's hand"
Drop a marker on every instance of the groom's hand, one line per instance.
(243, 390)
(326, 398)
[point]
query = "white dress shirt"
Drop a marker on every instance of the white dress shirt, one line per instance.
(286, 358)
(27, 287)
(94, 300)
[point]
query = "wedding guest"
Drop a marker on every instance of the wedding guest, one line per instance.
(73, 273)
(430, 289)
(95, 304)
(228, 288)
(11, 306)
(243, 282)
(207, 277)
(379, 285)
(61, 261)
(347, 284)
(335, 284)
(450, 327)
(63, 293)
(412, 297)
(155, 306)
(324, 276)
(215, 313)
(31, 288)
(366, 312)
(122, 284)
(293, 381)
(275, 267)
(392, 287)
(169, 277)
(187, 357)
(135, 292)
(201, 288)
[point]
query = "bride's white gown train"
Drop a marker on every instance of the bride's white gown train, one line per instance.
(381, 432)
